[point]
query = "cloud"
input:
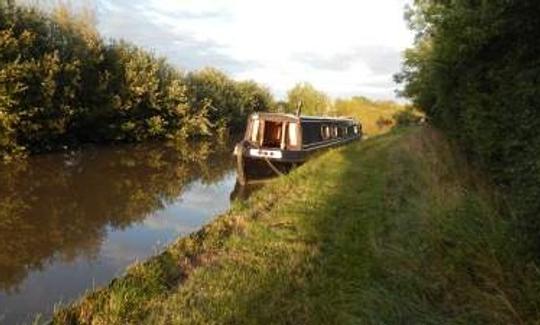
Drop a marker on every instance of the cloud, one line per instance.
(341, 46)
(138, 22)
(379, 59)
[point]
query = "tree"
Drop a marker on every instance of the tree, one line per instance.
(61, 84)
(230, 101)
(314, 102)
(474, 71)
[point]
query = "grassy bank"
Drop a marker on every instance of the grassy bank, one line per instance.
(396, 229)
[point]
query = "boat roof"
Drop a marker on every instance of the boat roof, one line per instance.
(294, 117)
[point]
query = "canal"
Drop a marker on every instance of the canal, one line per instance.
(72, 221)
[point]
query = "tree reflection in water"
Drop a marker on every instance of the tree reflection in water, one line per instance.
(59, 206)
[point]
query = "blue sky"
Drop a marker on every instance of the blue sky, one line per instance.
(343, 47)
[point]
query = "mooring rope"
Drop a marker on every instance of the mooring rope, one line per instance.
(274, 168)
(256, 146)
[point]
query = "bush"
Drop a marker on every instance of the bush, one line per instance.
(376, 116)
(406, 117)
(61, 84)
(474, 71)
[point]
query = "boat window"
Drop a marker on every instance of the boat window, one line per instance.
(272, 134)
(293, 134)
(311, 133)
(334, 131)
(254, 130)
(325, 131)
(341, 131)
(355, 129)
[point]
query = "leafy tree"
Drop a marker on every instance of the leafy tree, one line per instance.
(61, 84)
(376, 116)
(314, 102)
(406, 117)
(229, 101)
(474, 71)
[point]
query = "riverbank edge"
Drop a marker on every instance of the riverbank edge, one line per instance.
(160, 273)
(430, 246)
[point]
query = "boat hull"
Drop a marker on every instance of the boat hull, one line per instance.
(253, 169)
(254, 165)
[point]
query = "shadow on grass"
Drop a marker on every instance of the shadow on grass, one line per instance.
(396, 229)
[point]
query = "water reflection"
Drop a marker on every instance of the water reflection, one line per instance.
(92, 212)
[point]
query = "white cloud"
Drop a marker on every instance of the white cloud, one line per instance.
(344, 47)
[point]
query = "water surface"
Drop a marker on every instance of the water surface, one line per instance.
(69, 222)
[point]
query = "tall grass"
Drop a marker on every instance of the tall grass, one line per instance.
(396, 229)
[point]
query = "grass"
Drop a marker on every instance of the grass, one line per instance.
(395, 229)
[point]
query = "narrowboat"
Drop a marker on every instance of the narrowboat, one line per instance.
(276, 142)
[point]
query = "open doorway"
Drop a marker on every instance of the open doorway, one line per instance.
(272, 134)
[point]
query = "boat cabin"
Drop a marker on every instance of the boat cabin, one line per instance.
(294, 133)
(280, 140)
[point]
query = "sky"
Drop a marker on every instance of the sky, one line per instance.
(342, 47)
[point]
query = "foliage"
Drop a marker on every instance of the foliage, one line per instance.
(474, 70)
(314, 102)
(376, 116)
(407, 117)
(61, 84)
(228, 100)
(396, 229)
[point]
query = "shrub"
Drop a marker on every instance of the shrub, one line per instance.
(474, 71)
(61, 84)
(406, 117)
